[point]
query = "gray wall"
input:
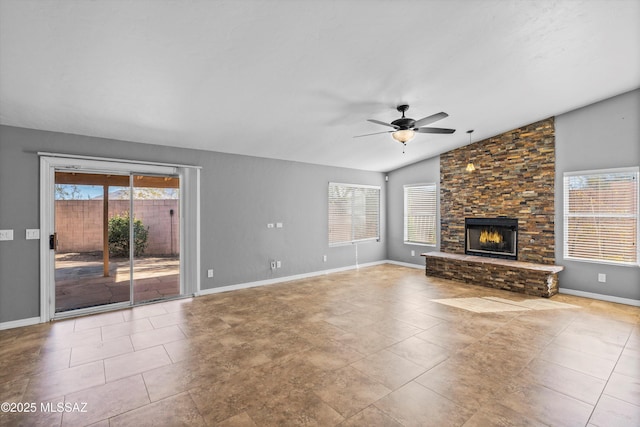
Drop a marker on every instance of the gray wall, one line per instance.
(600, 136)
(425, 172)
(239, 196)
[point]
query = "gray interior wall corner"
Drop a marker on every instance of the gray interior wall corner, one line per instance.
(239, 196)
(424, 172)
(599, 136)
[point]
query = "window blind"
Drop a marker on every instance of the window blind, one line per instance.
(420, 208)
(354, 213)
(601, 216)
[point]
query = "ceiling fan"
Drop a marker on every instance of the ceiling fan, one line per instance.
(405, 128)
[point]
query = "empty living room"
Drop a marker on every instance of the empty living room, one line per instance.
(320, 213)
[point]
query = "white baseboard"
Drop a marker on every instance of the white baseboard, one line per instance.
(20, 323)
(609, 298)
(285, 279)
(406, 264)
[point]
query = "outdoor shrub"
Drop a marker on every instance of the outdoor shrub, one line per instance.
(119, 236)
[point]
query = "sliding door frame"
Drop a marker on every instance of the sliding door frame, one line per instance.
(189, 221)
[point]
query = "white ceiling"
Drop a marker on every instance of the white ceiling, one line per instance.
(297, 80)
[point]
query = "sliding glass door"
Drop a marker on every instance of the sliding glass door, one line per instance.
(113, 239)
(88, 273)
(156, 237)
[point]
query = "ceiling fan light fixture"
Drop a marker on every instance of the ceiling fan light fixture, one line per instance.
(405, 128)
(404, 135)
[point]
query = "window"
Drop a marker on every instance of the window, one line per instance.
(601, 216)
(354, 213)
(420, 208)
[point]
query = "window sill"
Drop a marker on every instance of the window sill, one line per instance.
(431, 245)
(355, 242)
(595, 261)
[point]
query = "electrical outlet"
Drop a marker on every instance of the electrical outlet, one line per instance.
(602, 278)
(324, 258)
(6, 234)
(278, 264)
(279, 225)
(210, 272)
(413, 253)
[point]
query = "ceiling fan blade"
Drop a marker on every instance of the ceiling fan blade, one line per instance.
(376, 133)
(382, 123)
(434, 130)
(430, 119)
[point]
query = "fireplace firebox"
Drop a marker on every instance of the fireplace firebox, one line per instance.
(491, 237)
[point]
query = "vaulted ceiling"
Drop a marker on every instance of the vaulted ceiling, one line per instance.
(296, 80)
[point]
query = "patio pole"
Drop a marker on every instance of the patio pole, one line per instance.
(105, 229)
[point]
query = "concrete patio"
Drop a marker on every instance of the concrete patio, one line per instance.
(80, 282)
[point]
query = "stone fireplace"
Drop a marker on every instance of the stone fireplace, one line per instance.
(491, 237)
(513, 187)
(514, 177)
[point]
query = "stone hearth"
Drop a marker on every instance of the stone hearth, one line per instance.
(516, 276)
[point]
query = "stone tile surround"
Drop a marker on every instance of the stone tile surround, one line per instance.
(515, 177)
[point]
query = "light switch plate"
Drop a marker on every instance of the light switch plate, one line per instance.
(6, 234)
(33, 234)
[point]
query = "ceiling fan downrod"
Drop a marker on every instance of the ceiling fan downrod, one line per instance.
(402, 108)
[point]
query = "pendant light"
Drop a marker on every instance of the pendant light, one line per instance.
(470, 166)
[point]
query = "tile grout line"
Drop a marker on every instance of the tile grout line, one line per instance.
(609, 378)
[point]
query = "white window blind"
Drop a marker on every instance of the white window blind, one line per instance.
(354, 213)
(420, 208)
(601, 216)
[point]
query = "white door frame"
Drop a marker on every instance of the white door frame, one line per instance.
(189, 220)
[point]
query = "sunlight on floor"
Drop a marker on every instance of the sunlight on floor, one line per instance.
(495, 304)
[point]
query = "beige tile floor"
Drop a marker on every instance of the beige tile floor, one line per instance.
(361, 348)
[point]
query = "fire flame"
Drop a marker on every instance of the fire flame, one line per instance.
(490, 237)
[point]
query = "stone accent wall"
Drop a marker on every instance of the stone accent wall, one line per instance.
(514, 177)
